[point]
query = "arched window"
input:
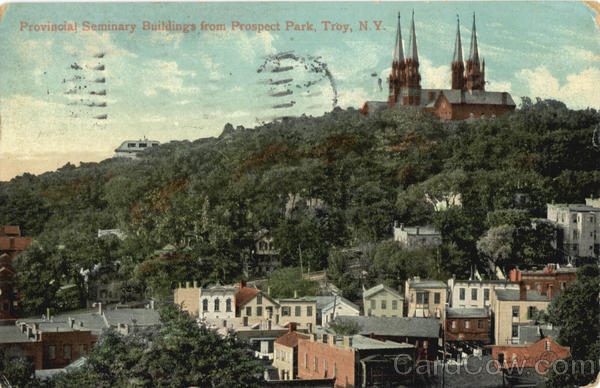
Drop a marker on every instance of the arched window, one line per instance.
(205, 305)
(228, 305)
(217, 304)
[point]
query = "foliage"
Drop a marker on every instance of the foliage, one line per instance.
(344, 328)
(287, 282)
(17, 368)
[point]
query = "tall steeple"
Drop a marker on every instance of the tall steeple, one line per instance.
(411, 94)
(475, 76)
(397, 78)
(458, 67)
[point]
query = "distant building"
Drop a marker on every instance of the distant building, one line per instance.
(265, 258)
(539, 354)
(131, 148)
(285, 357)
(217, 302)
(11, 245)
(302, 312)
(550, 279)
(467, 325)
(425, 298)
(578, 226)
(382, 301)
(331, 306)
(423, 333)
(474, 293)
(467, 98)
(514, 308)
(413, 237)
(354, 361)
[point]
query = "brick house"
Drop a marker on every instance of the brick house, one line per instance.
(11, 245)
(382, 301)
(467, 325)
(538, 355)
(423, 333)
(545, 281)
(354, 361)
(285, 357)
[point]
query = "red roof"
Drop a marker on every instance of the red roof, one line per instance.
(17, 243)
(244, 295)
(10, 230)
(290, 339)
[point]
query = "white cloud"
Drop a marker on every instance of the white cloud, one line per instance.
(167, 75)
(166, 38)
(498, 86)
(579, 91)
(581, 54)
(433, 77)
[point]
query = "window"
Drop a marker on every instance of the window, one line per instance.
(305, 360)
(515, 331)
(531, 312)
(143, 145)
(515, 311)
(462, 293)
(325, 367)
(474, 294)
(298, 311)
(248, 311)
(575, 234)
(309, 311)
(423, 297)
(425, 344)
(205, 305)
(130, 145)
(394, 305)
(547, 345)
(259, 311)
(286, 311)
(383, 305)
(574, 217)
(486, 294)
(66, 352)
(467, 324)
(316, 364)
(228, 305)
(217, 304)
(51, 352)
(372, 304)
(437, 298)
(259, 299)
(480, 324)
(454, 324)
(335, 369)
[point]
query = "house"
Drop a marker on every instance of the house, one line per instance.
(265, 258)
(467, 98)
(467, 325)
(514, 308)
(11, 245)
(578, 228)
(423, 333)
(132, 148)
(474, 293)
(549, 279)
(382, 301)
(253, 306)
(302, 312)
(331, 306)
(354, 361)
(286, 353)
(413, 237)
(425, 298)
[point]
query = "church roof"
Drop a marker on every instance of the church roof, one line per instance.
(412, 45)
(474, 53)
(458, 55)
(398, 48)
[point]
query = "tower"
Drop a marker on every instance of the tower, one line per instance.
(397, 78)
(475, 71)
(458, 67)
(411, 94)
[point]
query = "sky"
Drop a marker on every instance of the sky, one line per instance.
(170, 85)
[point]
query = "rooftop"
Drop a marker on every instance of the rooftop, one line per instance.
(381, 287)
(419, 230)
(514, 295)
(427, 284)
(290, 339)
(529, 334)
(466, 313)
(395, 326)
(360, 342)
(11, 334)
(244, 295)
(576, 207)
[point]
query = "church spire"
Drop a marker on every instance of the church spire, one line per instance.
(458, 66)
(458, 55)
(398, 49)
(474, 53)
(412, 45)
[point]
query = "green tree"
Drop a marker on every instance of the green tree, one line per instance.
(286, 282)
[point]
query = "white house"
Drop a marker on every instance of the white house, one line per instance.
(475, 293)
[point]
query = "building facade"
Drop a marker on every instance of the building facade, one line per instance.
(578, 228)
(467, 324)
(413, 237)
(475, 293)
(11, 245)
(330, 307)
(382, 301)
(285, 358)
(425, 298)
(545, 281)
(539, 355)
(467, 98)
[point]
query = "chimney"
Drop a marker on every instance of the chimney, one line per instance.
(401, 226)
(522, 291)
(152, 307)
(71, 322)
(331, 340)
(187, 284)
(269, 290)
(291, 327)
(195, 284)
(242, 284)
(417, 230)
(48, 313)
(99, 305)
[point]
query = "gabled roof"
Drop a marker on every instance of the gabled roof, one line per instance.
(244, 295)
(455, 96)
(381, 287)
(290, 339)
(466, 313)
(395, 326)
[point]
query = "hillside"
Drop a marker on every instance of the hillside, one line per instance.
(367, 171)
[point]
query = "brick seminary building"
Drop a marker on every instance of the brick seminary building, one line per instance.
(467, 98)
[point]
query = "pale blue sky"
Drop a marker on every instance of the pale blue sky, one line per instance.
(172, 85)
